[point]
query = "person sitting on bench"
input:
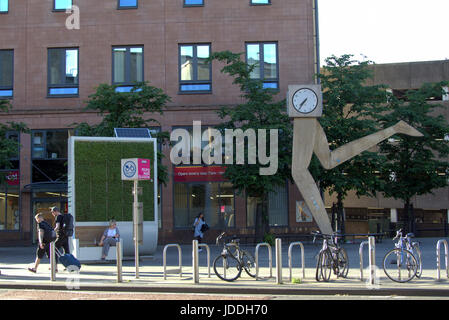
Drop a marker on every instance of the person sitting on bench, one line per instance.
(109, 238)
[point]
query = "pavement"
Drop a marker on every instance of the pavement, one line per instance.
(102, 276)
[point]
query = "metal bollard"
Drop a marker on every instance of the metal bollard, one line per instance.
(52, 261)
(270, 259)
(208, 258)
(195, 267)
(278, 261)
(290, 259)
(372, 259)
(119, 261)
(164, 260)
(446, 254)
(361, 258)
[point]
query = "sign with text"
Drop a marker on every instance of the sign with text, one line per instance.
(197, 174)
(136, 169)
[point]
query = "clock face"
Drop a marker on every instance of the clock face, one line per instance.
(305, 100)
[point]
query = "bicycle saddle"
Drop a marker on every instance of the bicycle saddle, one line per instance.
(410, 235)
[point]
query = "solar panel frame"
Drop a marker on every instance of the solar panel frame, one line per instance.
(143, 133)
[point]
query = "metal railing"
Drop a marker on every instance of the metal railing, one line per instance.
(195, 260)
(270, 260)
(278, 261)
(52, 261)
(361, 258)
(446, 254)
(119, 261)
(371, 259)
(164, 259)
(290, 263)
(208, 257)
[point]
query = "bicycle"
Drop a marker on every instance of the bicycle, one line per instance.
(331, 257)
(404, 262)
(232, 259)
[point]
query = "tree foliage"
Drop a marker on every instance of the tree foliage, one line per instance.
(416, 165)
(258, 111)
(350, 108)
(9, 147)
(126, 110)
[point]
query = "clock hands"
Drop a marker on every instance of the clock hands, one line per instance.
(302, 103)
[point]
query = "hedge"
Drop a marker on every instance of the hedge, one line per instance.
(100, 193)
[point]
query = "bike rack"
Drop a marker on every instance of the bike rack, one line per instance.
(302, 258)
(270, 259)
(208, 257)
(372, 259)
(119, 261)
(446, 254)
(361, 258)
(164, 258)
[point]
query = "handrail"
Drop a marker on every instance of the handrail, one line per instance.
(164, 259)
(302, 258)
(270, 260)
(446, 254)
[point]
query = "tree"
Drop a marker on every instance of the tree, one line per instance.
(8, 147)
(350, 109)
(259, 111)
(416, 166)
(126, 110)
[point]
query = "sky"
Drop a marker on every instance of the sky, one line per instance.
(384, 31)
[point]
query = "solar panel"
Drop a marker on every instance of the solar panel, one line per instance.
(132, 133)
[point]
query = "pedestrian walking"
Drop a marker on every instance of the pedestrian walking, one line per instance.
(200, 226)
(46, 235)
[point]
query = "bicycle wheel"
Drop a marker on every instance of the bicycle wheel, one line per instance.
(418, 257)
(318, 267)
(249, 263)
(400, 265)
(326, 265)
(227, 267)
(343, 263)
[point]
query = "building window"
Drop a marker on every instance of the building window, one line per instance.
(63, 72)
(62, 5)
(9, 201)
(49, 155)
(4, 6)
(214, 199)
(127, 67)
(264, 57)
(195, 72)
(193, 3)
(260, 2)
(127, 4)
(277, 208)
(6, 73)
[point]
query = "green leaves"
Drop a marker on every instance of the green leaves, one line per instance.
(126, 110)
(9, 148)
(417, 164)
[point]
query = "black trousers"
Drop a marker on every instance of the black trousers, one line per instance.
(62, 242)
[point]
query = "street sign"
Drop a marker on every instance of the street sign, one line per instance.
(136, 169)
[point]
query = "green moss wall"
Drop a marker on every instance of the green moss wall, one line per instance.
(100, 193)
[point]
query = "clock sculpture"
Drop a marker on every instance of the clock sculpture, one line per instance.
(305, 105)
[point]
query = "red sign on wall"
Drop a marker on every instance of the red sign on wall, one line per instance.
(12, 178)
(197, 174)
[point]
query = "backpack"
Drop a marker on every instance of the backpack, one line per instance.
(49, 233)
(68, 225)
(204, 227)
